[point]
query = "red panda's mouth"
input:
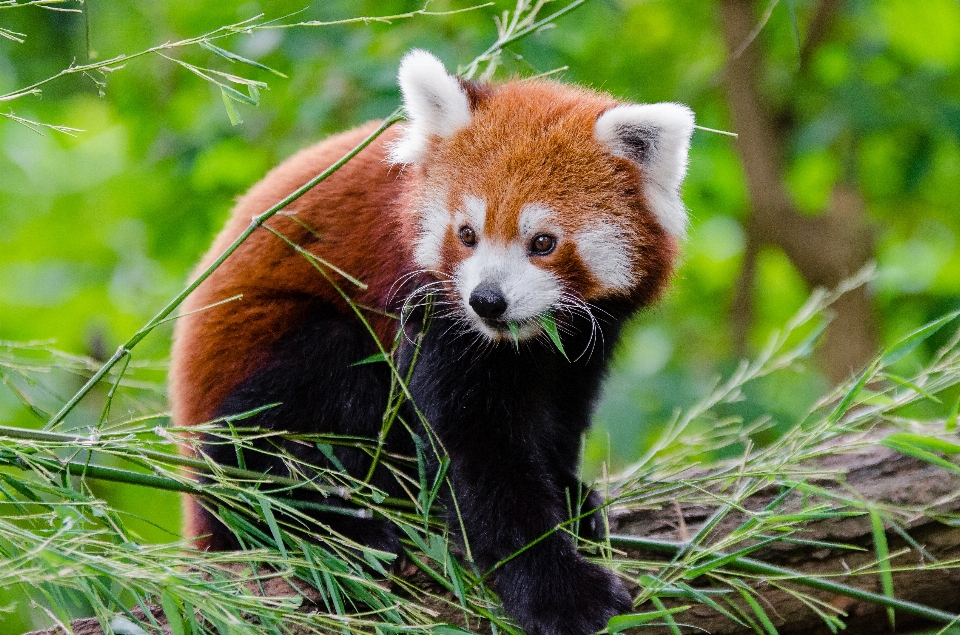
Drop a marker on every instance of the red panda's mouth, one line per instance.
(506, 330)
(497, 325)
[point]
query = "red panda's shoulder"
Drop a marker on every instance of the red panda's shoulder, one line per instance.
(348, 220)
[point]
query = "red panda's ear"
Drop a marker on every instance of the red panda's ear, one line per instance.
(435, 103)
(657, 138)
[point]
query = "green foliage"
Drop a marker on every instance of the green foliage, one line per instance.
(104, 212)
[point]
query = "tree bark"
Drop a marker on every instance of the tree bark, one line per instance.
(884, 477)
(825, 249)
(881, 476)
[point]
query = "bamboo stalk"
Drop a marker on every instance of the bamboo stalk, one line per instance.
(190, 486)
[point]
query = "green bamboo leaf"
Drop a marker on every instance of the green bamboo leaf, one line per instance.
(917, 453)
(924, 442)
(515, 332)
(716, 563)
(232, 113)
(852, 394)
(449, 629)
(235, 94)
(373, 359)
(373, 559)
(703, 596)
(327, 450)
(123, 626)
(883, 561)
(267, 510)
(905, 346)
(251, 413)
(620, 623)
(757, 609)
(233, 57)
(550, 327)
(174, 613)
(911, 385)
(871, 398)
(25, 491)
(671, 623)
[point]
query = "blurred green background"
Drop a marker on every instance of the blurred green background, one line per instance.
(858, 124)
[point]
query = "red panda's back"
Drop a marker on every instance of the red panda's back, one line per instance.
(349, 220)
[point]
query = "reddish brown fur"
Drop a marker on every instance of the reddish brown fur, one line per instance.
(353, 211)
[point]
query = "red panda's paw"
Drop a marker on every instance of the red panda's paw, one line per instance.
(578, 601)
(591, 526)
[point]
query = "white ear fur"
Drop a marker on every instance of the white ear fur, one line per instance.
(656, 137)
(435, 102)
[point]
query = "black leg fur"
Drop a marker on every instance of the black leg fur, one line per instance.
(319, 391)
(511, 421)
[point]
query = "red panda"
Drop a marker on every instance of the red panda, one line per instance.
(491, 208)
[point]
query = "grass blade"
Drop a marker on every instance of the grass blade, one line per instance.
(233, 57)
(232, 113)
(265, 507)
(911, 449)
(906, 345)
(883, 561)
(747, 594)
(620, 623)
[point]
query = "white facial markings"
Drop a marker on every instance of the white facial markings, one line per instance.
(536, 218)
(606, 251)
(474, 213)
(433, 227)
(528, 289)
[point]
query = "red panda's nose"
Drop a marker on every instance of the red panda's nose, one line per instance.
(488, 301)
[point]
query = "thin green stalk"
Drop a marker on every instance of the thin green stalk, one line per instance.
(512, 35)
(748, 565)
(246, 26)
(186, 486)
(126, 348)
(169, 459)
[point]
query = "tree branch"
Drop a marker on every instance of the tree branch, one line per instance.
(825, 249)
(823, 16)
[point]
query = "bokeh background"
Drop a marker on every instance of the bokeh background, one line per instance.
(849, 153)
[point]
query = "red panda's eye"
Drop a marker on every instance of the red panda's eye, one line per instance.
(467, 236)
(542, 244)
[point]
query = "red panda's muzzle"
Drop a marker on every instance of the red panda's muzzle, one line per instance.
(487, 301)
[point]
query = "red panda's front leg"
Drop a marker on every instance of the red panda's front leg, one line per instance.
(503, 416)
(549, 588)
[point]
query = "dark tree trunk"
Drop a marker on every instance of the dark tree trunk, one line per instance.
(825, 249)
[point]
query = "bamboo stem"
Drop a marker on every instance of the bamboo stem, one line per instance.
(190, 486)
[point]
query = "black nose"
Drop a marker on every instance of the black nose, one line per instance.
(488, 301)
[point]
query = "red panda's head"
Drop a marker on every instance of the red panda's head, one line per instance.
(533, 197)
